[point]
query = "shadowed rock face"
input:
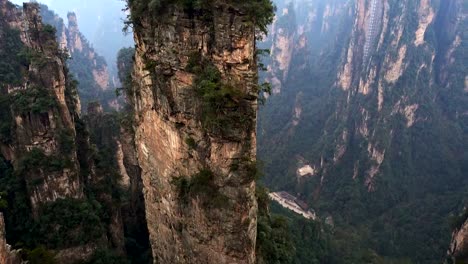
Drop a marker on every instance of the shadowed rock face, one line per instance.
(172, 142)
(458, 251)
(39, 129)
(7, 256)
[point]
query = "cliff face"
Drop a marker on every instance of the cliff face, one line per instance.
(61, 186)
(197, 162)
(43, 113)
(7, 255)
(458, 251)
(360, 118)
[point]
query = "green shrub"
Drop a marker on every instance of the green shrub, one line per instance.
(29, 56)
(260, 12)
(224, 106)
(69, 222)
(66, 141)
(36, 100)
(274, 244)
(11, 64)
(191, 142)
(49, 29)
(39, 255)
(106, 256)
(36, 160)
(6, 120)
(200, 185)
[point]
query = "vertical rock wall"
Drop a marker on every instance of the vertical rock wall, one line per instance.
(173, 144)
(40, 120)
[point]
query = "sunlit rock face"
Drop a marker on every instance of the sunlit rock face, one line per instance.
(173, 143)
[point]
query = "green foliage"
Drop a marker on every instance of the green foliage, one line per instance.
(125, 63)
(71, 92)
(200, 185)
(274, 243)
(191, 142)
(11, 65)
(104, 256)
(423, 177)
(3, 201)
(253, 170)
(104, 130)
(36, 160)
(69, 222)
(6, 120)
(61, 224)
(18, 220)
(49, 29)
(225, 109)
(260, 12)
(36, 100)
(81, 66)
(66, 141)
(33, 57)
(39, 255)
(51, 19)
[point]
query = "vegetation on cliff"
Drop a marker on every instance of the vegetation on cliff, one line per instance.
(261, 12)
(11, 63)
(54, 150)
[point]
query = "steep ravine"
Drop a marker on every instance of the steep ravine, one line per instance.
(383, 127)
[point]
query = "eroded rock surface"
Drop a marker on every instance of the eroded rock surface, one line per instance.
(173, 143)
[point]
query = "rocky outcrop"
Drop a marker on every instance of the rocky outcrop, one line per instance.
(458, 251)
(180, 146)
(7, 255)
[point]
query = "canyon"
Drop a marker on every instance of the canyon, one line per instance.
(357, 86)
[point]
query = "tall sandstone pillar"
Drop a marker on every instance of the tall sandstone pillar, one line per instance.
(198, 165)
